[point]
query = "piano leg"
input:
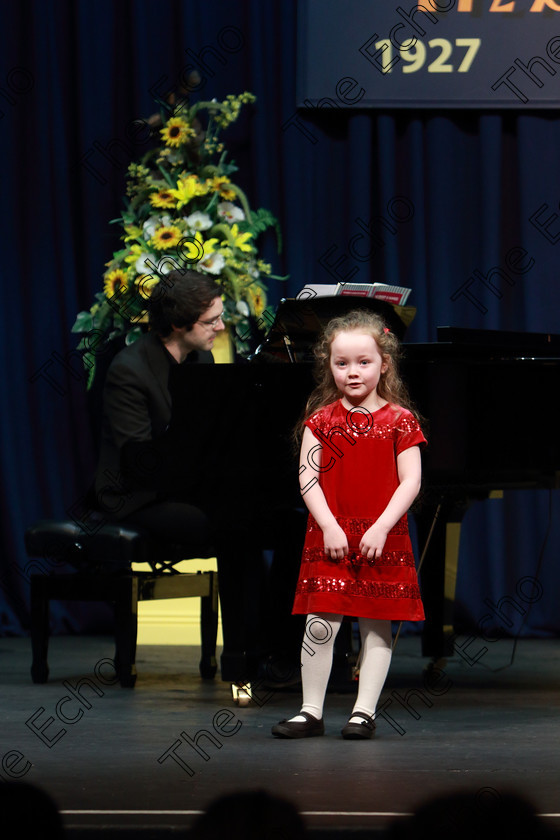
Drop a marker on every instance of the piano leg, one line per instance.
(439, 531)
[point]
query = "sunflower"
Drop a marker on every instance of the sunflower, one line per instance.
(182, 209)
(114, 280)
(257, 297)
(176, 132)
(146, 283)
(162, 198)
(219, 184)
(166, 237)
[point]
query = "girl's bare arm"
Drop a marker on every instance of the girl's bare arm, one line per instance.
(336, 544)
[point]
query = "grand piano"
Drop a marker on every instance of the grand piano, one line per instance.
(470, 385)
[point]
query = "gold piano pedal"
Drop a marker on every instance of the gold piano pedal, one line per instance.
(241, 693)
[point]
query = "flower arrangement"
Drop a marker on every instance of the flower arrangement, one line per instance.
(183, 211)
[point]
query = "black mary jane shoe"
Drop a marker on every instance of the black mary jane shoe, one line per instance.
(359, 731)
(299, 729)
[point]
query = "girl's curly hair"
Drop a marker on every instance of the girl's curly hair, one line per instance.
(390, 386)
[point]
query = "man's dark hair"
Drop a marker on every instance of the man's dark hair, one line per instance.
(179, 299)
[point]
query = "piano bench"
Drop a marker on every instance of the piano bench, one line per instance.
(103, 561)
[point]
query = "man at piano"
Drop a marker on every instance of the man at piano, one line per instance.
(134, 480)
(139, 479)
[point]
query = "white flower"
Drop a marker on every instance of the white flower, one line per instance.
(212, 263)
(141, 263)
(243, 308)
(151, 264)
(230, 212)
(198, 221)
(151, 225)
(166, 264)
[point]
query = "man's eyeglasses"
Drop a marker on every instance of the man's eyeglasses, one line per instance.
(213, 322)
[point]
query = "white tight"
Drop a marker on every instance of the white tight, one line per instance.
(317, 656)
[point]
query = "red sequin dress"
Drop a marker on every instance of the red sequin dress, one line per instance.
(358, 456)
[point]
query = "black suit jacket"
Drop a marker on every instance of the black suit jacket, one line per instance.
(135, 463)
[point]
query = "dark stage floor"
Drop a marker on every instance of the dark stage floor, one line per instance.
(123, 763)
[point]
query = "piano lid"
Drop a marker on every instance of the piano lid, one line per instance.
(456, 343)
(545, 342)
(299, 322)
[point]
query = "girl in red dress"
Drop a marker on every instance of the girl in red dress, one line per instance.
(360, 471)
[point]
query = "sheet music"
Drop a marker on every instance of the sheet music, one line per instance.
(397, 295)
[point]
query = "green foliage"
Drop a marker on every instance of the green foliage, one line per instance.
(181, 193)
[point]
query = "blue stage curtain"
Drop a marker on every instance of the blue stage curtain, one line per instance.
(447, 193)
